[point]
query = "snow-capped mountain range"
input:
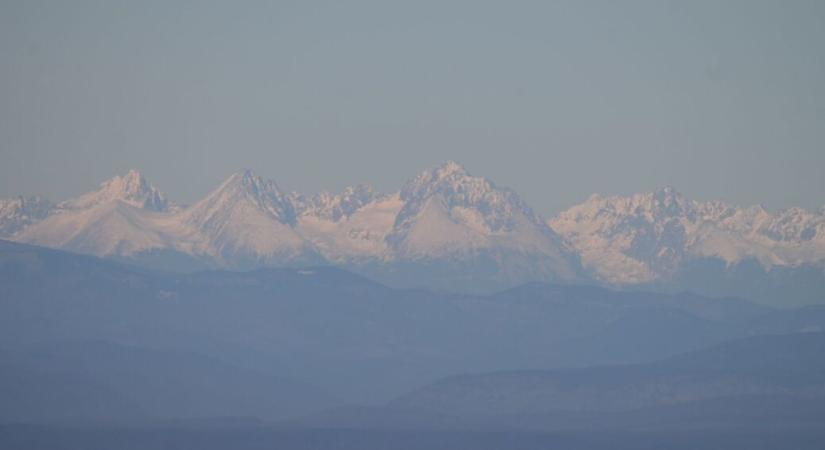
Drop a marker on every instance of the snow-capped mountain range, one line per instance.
(457, 225)
(648, 237)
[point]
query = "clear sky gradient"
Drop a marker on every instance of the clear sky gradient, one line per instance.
(557, 100)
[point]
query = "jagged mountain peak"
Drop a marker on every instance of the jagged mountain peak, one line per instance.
(243, 189)
(647, 237)
(247, 221)
(793, 225)
(665, 203)
(449, 213)
(132, 188)
(453, 185)
(133, 176)
(19, 212)
(132, 183)
(23, 203)
(246, 176)
(449, 172)
(359, 190)
(667, 196)
(116, 219)
(245, 180)
(335, 206)
(450, 168)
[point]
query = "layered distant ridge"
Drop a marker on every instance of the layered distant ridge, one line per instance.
(445, 228)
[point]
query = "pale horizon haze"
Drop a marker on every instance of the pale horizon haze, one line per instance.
(556, 100)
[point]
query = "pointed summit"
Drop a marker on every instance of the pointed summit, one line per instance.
(248, 221)
(456, 188)
(448, 178)
(242, 177)
(246, 177)
(244, 187)
(120, 218)
(131, 188)
(451, 168)
(448, 214)
(133, 176)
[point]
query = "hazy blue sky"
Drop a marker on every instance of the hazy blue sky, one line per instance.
(557, 100)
